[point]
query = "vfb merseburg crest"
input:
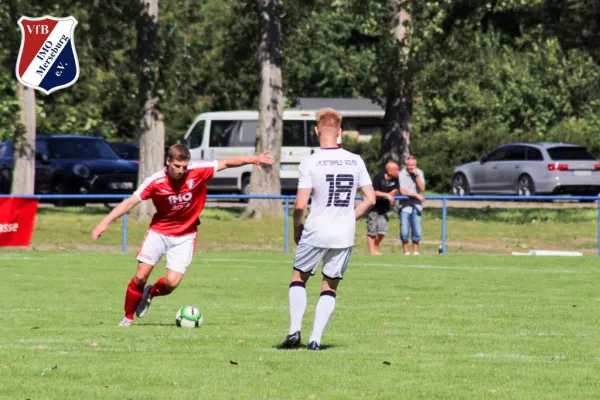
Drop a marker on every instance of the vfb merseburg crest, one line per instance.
(47, 59)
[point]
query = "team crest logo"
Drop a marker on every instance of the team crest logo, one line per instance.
(47, 59)
(191, 183)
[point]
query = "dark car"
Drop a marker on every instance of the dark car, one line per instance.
(72, 164)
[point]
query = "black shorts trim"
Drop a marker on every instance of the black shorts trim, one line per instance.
(303, 272)
(333, 279)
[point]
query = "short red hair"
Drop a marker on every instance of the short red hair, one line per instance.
(329, 117)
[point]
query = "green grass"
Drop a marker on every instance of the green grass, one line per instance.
(474, 231)
(450, 327)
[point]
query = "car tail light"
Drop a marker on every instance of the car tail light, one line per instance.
(597, 167)
(558, 167)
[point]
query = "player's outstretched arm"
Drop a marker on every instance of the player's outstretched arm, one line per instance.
(124, 207)
(263, 158)
(367, 202)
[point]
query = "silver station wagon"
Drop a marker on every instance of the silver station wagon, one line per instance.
(526, 169)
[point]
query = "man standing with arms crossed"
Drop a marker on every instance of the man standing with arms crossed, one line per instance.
(412, 184)
(333, 176)
(178, 193)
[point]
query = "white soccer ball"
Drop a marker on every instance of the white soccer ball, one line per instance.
(188, 317)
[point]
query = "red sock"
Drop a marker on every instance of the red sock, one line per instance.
(159, 288)
(132, 298)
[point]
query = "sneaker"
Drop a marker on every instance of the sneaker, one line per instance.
(313, 346)
(126, 322)
(291, 341)
(144, 303)
(407, 254)
(416, 253)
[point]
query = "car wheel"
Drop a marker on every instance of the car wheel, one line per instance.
(245, 188)
(460, 185)
(525, 186)
(61, 188)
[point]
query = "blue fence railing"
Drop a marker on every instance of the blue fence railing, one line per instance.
(288, 199)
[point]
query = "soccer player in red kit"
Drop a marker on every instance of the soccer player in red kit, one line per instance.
(178, 193)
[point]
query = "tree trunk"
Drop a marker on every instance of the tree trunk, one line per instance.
(395, 142)
(152, 127)
(23, 179)
(270, 124)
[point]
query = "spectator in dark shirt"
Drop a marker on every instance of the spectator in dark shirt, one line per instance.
(386, 187)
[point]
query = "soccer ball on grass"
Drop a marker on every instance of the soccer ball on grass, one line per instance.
(188, 317)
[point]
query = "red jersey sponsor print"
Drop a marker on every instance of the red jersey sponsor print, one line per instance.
(178, 203)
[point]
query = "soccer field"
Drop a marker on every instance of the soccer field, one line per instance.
(404, 328)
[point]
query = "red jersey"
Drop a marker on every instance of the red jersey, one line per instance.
(178, 203)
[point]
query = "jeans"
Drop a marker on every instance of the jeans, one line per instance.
(412, 220)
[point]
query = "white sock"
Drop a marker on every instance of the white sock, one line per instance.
(323, 312)
(297, 298)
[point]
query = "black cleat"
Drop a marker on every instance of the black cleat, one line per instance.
(313, 346)
(291, 341)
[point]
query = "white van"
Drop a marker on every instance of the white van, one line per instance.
(219, 135)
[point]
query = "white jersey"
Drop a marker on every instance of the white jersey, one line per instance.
(334, 175)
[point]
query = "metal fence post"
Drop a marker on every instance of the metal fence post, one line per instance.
(287, 224)
(125, 233)
(443, 246)
(444, 214)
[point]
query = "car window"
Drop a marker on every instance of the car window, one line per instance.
(194, 140)
(222, 133)
(246, 135)
(534, 154)
(75, 148)
(3, 152)
(133, 153)
(570, 153)
(516, 153)
(117, 147)
(6, 149)
(120, 148)
(500, 154)
(127, 151)
(293, 134)
(311, 137)
(41, 147)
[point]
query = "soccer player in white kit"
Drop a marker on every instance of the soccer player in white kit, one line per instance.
(332, 175)
(178, 193)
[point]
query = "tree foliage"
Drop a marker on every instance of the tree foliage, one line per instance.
(484, 72)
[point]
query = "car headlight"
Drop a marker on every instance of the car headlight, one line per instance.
(81, 170)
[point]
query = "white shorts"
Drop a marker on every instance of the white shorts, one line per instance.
(335, 261)
(179, 250)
